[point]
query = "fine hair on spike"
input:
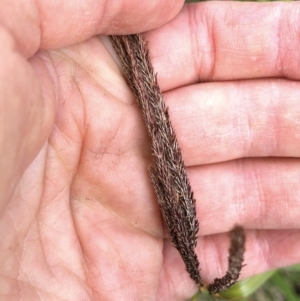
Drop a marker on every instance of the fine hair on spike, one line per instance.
(167, 173)
(235, 262)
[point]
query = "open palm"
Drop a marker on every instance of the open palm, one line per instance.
(79, 218)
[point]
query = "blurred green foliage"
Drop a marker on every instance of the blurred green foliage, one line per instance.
(281, 284)
(190, 1)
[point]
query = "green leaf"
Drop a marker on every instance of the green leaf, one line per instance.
(285, 286)
(245, 288)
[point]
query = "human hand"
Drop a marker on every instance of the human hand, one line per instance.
(238, 130)
(71, 228)
(82, 222)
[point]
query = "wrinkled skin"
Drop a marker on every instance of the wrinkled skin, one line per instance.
(78, 216)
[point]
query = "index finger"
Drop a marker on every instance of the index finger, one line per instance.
(227, 41)
(52, 24)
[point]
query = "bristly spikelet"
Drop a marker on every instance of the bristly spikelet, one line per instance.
(168, 173)
(235, 262)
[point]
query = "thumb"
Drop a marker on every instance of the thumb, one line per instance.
(52, 24)
(69, 23)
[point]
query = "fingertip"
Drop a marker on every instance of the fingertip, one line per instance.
(138, 17)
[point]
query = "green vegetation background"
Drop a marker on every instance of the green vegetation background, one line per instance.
(189, 1)
(279, 285)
